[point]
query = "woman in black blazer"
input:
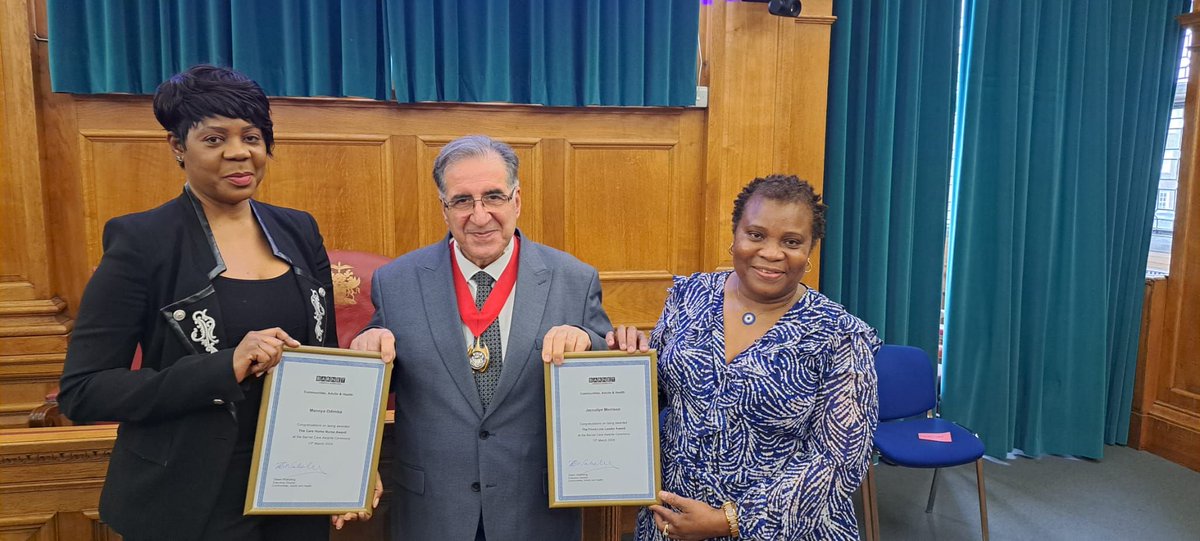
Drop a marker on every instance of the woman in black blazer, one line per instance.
(212, 285)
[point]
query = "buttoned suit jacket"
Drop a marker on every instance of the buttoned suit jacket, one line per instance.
(454, 461)
(178, 415)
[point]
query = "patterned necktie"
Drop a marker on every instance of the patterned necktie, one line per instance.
(487, 380)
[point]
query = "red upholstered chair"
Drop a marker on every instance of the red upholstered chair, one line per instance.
(352, 306)
(352, 273)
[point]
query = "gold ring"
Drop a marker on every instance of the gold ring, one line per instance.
(666, 526)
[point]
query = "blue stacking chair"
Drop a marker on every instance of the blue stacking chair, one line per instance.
(908, 389)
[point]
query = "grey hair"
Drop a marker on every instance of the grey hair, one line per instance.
(473, 146)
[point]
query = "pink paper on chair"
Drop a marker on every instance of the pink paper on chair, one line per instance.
(943, 437)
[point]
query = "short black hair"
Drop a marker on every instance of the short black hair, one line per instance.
(205, 91)
(786, 188)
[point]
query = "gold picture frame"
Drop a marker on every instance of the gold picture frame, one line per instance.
(320, 429)
(602, 423)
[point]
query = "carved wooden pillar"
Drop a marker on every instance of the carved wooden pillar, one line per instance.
(33, 330)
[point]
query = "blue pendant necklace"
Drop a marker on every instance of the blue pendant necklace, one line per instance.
(749, 317)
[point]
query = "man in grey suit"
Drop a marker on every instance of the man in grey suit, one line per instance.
(470, 320)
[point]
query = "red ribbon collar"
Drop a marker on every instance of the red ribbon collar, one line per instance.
(478, 319)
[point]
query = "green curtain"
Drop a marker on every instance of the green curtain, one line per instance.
(888, 141)
(291, 47)
(549, 52)
(1062, 120)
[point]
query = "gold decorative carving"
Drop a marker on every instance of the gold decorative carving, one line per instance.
(345, 284)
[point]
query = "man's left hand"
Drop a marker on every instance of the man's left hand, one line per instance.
(564, 339)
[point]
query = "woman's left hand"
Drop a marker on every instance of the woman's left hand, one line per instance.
(340, 520)
(690, 520)
(627, 338)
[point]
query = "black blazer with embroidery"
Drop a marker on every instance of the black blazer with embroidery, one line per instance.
(178, 416)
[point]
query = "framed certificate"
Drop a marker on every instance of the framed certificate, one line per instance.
(602, 429)
(319, 431)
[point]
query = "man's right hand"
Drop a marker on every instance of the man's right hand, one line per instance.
(380, 340)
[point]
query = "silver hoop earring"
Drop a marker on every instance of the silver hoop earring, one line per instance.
(730, 250)
(807, 266)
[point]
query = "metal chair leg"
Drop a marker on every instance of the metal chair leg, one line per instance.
(982, 498)
(932, 491)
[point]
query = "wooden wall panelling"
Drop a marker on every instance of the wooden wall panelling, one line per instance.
(1168, 422)
(28, 528)
(623, 196)
(23, 252)
(1150, 346)
(123, 171)
(413, 136)
(768, 80)
(61, 171)
(802, 88)
(406, 227)
(741, 104)
(553, 201)
(50, 482)
(602, 523)
(343, 180)
(33, 328)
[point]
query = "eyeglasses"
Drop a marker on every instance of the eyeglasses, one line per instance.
(465, 203)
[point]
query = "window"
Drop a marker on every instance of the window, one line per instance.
(1166, 200)
(1159, 261)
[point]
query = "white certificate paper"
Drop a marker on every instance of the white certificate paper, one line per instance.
(602, 430)
(320, 428)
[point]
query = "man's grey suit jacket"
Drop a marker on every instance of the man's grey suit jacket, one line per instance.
(453, 460)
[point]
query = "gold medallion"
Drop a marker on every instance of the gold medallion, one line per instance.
(478, 356)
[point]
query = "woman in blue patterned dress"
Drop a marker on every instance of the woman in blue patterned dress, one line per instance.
(769, 385)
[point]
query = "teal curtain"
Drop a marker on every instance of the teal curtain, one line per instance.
(291, 47)
(1062, 118)
(549, 52)
(892, 76)
(1143, 66)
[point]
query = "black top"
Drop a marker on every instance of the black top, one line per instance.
(254, 305)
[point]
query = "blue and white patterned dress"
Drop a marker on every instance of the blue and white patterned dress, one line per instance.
(783, 431)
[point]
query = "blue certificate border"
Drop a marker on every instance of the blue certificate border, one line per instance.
(269, 430)
(647, 363)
